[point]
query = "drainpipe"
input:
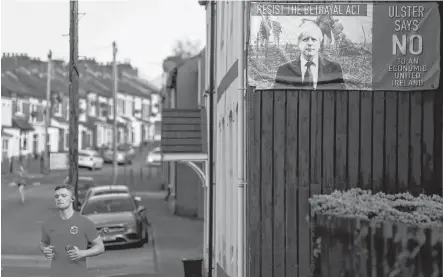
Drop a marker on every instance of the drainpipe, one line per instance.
(241, 145)
(211, 142)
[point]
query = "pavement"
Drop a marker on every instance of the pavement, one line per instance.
(174, 237)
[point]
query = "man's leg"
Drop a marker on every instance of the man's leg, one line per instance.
(21, 190)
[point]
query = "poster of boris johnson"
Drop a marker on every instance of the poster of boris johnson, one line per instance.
(344, 46)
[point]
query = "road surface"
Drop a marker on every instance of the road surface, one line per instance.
(21, 231)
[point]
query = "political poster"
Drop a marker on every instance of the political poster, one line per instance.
(344, 46)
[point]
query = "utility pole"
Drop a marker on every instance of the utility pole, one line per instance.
(47, 113)
(73, 99)
(114, 107)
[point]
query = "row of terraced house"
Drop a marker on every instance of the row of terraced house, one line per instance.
(23, 91)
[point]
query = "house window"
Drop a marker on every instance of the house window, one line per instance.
(33, 113)
(92, 105)
(20, 106)
(5, 147)
(121, 107)
(58, 109)
(128, 108)
(111, 109)
(145, 110)
(104, 109)
(110, 136)
(99, 135)
(66, 140)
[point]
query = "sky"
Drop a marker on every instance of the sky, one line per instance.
(144, 30)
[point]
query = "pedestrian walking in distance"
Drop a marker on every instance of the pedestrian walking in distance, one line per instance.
(65, 237)
(22, 182)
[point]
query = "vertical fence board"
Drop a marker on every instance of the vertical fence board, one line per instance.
(366, 123)
(266, 180)
(428, 141)
(415, 144)
(438, 143)
(291, 184)
(304, 138)
(403, 140)
(316, 137)
(328, 142)
(390, 169)
(304, 232)
(254, 185)
(353, 138)
(303, 182)
(378, 133)
(279, 182)
(341, 133)
(314, 189)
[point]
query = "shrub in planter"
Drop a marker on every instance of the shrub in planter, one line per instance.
(357, 233)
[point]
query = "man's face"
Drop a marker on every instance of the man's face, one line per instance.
(309, 43)
(63, 198)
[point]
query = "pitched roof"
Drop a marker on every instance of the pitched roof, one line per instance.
(11, 84)
(33, 83)
(31, 80)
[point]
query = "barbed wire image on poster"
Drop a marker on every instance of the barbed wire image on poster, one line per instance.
(284, 40)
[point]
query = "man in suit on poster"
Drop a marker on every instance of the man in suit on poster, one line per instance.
(310, 70)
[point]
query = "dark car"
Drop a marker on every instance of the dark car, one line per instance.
(125, 154)
(119, 219)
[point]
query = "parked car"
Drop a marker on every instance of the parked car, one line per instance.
(101, 190)
(119, 218)
(154, 157)
(125, 154)
(84, 184)
(90, 159)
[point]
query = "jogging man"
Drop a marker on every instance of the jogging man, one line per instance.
(65, 237)
(22, 182)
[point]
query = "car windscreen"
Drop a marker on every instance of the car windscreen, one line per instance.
(109, 192)
(108, 206)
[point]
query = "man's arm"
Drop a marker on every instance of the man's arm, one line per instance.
(44, 241)
(94, 238)
(96, 249)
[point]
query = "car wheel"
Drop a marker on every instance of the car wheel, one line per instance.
(147, 236)
(142, 240)
(92, 167)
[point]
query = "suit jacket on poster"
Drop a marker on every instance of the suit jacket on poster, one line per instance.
(330, 75)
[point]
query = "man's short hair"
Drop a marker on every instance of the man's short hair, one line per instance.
(65, 186)
(310, 27)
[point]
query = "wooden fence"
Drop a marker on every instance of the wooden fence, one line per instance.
(302, 143)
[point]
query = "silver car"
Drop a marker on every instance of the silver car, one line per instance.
(119, 219)
(154, 157)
